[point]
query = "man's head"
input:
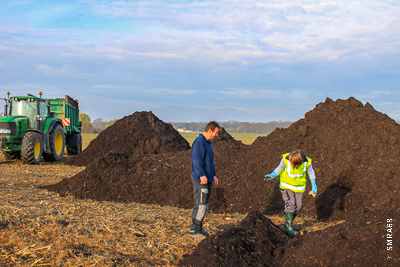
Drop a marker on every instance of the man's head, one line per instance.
(296, 158)
(211, 130)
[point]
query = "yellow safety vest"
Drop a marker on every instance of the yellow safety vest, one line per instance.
(292, 178)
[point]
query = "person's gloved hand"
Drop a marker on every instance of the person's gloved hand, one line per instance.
(314, 187)
(270, 176)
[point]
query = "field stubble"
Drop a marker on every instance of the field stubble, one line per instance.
(40, 228)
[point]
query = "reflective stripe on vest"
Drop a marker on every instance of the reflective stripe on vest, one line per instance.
(289, 167)
(300, 188)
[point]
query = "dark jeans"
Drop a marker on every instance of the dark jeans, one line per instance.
(201, 194)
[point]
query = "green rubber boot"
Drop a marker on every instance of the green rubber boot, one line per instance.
(288, 224)
(295, 227)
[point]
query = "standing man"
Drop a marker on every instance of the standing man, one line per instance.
(203, 176)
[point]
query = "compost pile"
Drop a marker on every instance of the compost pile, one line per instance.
(256, 241)
(162, 179)
(137, 134)
(253, 241)
(355, 151)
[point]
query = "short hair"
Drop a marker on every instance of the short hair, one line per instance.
(296, 157)
(211, 126)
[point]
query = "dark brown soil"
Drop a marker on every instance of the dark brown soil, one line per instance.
(256, 241)
(146, 178)
(137, 134)
(355, 151)
(360, 241)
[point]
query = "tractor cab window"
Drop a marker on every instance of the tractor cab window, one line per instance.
(44, 111)
(25, 107)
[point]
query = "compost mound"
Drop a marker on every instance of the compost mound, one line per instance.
(162, 179)
(137, 134)
(255, 241)
(361, 241)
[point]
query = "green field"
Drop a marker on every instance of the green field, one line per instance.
(86, 138)
(246, 138)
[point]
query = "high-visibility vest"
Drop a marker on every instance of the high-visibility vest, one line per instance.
(292, 178)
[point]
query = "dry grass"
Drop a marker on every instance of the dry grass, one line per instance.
(40, 228)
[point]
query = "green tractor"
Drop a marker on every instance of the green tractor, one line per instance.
(33, 127)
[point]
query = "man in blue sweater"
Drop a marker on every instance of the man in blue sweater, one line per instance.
(203, 176)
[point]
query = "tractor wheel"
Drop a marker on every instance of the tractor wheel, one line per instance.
(57, 144)
(11, 155)
(74, 144)
(32, 148)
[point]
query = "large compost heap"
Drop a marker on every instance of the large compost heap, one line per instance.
(137, 134)
(355, 151)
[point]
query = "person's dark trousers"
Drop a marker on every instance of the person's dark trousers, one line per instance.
(201, 194)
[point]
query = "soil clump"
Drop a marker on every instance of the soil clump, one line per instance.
(138, 134)
(255, 241)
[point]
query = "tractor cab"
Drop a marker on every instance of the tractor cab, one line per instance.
(34, 108)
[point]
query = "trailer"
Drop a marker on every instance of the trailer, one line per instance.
(67, 111)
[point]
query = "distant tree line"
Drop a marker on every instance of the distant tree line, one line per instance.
(99, 125)
(96, 126)
(236, 126)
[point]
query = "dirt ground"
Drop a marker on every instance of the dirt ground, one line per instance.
(40, 228)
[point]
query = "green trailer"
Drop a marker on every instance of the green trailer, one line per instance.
(67, 110)
(33, 127)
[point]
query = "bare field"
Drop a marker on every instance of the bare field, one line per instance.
(40, 228)
(245, 138)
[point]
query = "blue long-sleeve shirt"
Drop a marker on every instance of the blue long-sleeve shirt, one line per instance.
(202, 157)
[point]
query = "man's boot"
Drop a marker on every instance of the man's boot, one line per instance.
(288, 224)
(294, 227)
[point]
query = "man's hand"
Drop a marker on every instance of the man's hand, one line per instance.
(215, 182)
(203, 180)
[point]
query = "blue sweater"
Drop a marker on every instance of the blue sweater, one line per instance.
(202, 156)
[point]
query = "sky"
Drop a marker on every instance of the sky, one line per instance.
(274, 60)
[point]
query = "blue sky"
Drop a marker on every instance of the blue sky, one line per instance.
(274, 60)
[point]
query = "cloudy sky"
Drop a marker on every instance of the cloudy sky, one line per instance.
(274, 60)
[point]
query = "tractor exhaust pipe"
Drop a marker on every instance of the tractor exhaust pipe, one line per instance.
(6, 105)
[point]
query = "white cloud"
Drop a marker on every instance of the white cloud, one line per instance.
(238, 32)
(377, 94)
(65, 70)
(293, 94)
